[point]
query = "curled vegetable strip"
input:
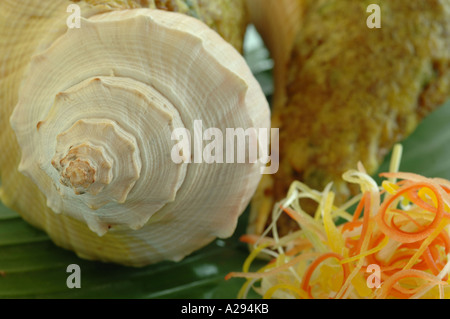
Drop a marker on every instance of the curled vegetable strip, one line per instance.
(400, 228)
(315, 264)
(407, 237)
(409, 273)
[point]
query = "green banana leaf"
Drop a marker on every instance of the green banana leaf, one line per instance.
(31, 266)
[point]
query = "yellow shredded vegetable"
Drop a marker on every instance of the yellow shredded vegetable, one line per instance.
(395, 244)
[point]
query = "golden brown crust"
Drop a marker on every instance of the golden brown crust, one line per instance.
(353, 92)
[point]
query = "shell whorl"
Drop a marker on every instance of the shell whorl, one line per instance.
(107, 129)
(95, 118)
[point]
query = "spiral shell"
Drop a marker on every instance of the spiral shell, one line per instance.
(95, 119)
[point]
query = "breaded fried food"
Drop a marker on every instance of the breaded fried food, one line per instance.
(352, 92)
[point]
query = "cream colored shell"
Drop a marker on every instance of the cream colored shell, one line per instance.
(94, 121)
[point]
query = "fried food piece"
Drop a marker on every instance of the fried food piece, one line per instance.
(353, 92)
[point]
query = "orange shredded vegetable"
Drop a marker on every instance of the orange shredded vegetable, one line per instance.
(395, 244)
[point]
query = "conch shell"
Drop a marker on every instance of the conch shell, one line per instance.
(94, 111)
(344, 92)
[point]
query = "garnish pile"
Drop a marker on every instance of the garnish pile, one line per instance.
(394, 245)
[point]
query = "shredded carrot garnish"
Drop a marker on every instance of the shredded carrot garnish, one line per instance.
(300, 293)
(410, 273)
(403, 236)
(307, 277)
(400, 229)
